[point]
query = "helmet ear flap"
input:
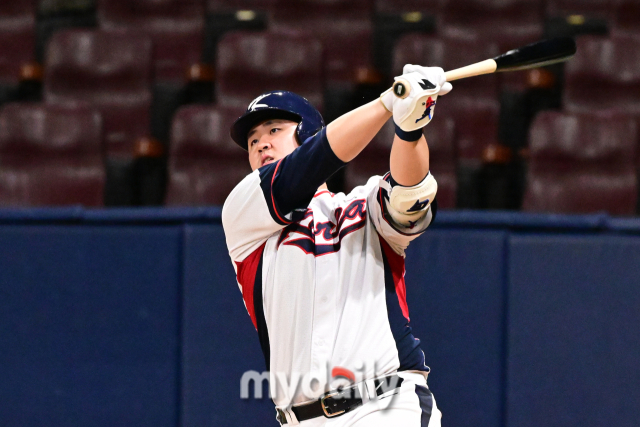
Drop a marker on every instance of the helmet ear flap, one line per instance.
(298, 132)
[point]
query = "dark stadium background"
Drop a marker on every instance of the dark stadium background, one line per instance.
(118, 302)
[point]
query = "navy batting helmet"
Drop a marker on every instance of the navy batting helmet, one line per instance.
(278, 104)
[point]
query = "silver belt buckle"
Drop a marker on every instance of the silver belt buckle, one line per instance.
(324, 407)
(280, 416)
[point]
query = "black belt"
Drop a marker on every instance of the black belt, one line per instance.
(338, 402)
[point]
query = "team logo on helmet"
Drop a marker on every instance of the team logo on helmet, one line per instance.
(254, 104)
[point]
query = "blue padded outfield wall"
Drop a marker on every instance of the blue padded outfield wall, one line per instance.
(133, 318)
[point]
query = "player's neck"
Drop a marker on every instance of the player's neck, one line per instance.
(323, 187)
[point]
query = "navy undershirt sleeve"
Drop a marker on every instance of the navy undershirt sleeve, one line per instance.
(290, 183)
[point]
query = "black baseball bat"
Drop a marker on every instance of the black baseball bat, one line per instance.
(534, 55)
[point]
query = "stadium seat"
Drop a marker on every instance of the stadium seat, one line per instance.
(109, 70)
(392, 18)
(175, 26)
(50, 155)
(17, 32)
(582, 162)
(374, 160)
(232, 15)
(343, 26)
(250, 63)
(604, 74)
(205, 164)
(56, 15)
(510, 23)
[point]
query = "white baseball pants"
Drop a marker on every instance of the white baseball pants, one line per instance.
(412, 405)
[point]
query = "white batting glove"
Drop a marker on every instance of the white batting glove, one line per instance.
(412, 98)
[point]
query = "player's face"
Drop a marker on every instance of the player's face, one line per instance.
(270, 141)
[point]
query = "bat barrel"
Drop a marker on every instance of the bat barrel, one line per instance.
(537, 54)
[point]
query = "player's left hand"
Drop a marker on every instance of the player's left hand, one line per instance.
(433, 74)
(412, 98)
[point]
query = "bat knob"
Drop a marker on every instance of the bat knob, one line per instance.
(401, 88)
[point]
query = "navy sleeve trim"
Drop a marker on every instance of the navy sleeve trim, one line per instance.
(268, 174)
(289, 184)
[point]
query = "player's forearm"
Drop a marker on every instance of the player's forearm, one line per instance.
(409, 161)
(349, 134)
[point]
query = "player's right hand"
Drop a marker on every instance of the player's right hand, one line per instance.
(412, 98)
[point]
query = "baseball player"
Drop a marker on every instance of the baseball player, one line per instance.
(322, 274)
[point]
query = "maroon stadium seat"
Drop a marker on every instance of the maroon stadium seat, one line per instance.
(205, 164)
(392, 19)
(17, 35)
(343, 26)
(232, 15)
(473, 103)
(374, 160)
(175, 26)
(582, 162)
(250, 63)
(109, 70)
(604, 74)
(50, 155)
(510, 23)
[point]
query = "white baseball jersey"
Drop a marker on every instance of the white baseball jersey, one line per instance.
(323, 282)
